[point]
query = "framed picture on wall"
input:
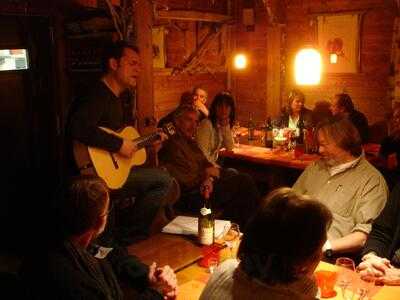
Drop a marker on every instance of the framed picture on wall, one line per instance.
(159, 59)
(339, 36)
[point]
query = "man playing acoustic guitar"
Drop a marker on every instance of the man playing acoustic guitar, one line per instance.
(104, 108)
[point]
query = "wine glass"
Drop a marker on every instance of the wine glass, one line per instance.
(346, 273)
(236, 133)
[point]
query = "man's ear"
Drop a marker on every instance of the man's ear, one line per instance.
(113, 64)
(100, 224)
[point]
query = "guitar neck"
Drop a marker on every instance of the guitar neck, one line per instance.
(146, 140)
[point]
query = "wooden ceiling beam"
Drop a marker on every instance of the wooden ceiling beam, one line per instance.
(190, 15)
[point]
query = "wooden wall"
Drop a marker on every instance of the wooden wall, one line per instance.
(181, 40)
(250, 85)
(368, 88)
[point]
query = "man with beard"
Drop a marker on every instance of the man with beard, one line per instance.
(347, 183)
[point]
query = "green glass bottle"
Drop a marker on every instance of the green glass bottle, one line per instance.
(206, 224)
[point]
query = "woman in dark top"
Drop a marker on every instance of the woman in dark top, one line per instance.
(295, 112)
(68, 270)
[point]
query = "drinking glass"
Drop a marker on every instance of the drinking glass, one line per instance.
(346, 276)
(232, 239)
(212, 264)
(326, 282)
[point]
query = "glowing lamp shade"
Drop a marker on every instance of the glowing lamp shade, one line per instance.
(240, 61)
(308, 67)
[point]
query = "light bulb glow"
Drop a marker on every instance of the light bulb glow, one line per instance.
(240, 61)
(308, 67)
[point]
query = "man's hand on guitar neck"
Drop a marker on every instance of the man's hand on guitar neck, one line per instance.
(128, 148)
(158, 143)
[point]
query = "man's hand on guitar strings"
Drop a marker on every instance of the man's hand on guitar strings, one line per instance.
(128, 148)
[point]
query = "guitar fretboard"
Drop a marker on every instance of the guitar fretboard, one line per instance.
(146, 140)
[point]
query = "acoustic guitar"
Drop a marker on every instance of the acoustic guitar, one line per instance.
(114, 168)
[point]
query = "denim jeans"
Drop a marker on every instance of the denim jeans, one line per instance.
(148, 188)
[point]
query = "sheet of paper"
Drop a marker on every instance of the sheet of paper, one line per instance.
(188, 226)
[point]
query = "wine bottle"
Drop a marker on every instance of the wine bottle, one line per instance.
(300, 136)
(251, 127)
(206, 224)
(268, 137)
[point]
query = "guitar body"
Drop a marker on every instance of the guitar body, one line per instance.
(113, 168)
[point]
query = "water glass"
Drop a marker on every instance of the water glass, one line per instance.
(212, 264)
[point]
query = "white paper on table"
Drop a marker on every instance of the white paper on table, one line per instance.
(189, 226)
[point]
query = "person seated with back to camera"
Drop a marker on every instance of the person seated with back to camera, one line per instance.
(347, 183)
(215, 131)
(71, 267)
(381, 253)
(235, 194)
(281, 247)
(295, 112)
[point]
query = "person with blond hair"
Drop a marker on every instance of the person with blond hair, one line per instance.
(295, 112)
(347, 183)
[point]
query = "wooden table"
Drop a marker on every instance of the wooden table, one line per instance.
(270, 157)
(177, 251)
(182, 254)
(193, 279)
(281, 158)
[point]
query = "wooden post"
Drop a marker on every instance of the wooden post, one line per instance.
(273, 102)
(144, 90)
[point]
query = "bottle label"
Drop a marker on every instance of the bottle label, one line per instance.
(205, 211)
(206, 236)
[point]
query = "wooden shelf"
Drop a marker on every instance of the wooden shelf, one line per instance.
(93, 70)
(90, 35)
(190, 15)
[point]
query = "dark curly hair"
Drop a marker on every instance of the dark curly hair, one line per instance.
(220, 99)
(344, 100)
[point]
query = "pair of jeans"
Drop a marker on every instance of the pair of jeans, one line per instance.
(147, 187)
